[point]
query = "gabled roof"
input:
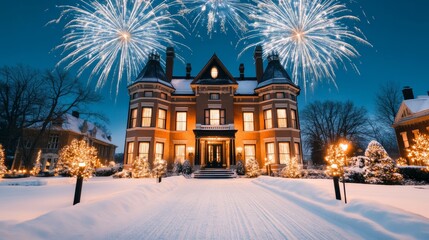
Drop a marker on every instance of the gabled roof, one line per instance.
(275, 73)
(204, 76)
(153, 72)
(412, 108)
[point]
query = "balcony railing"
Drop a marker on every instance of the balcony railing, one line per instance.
(215, 127)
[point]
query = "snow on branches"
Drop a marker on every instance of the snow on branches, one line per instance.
(141, 168)
(159, 168)
(335, 158)
(292, 169)
(252, 168)
(419, 151)
(78, 158)
(3, 168)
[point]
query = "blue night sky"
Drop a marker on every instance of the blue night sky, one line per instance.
(398, 31)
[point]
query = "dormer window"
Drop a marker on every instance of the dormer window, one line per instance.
(214, 72)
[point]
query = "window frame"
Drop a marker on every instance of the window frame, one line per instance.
(282, 120)
(208, 116)
(159, 155)
(183, 122)
(133, 118)
(294, 118)
(213, 98)
(176, 156)
(284, 156)
(269, 146)
(130, 152)
(246, 151)
(142, 153)
(162, 122)
(268, 120)
(144, 123)
(248, 123)
(53, 141)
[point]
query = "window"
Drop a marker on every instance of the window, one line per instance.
(144, 150)
(130, 152)
(405, 139)
(284, 152)
(135, 95)
(148, 94)
(297, 152)
(180, 121)
(159, 150)
(280, 95)
(53, 141)
(162, 116)
(248, 121)
(266, 96)
(133, 118)
(214, 96)
(214, 117)
(270, 152)
(249, 152)
(179, 152)
(281, 118)
(294, 119)
(146, 117)
(163, 96)
(268, 119)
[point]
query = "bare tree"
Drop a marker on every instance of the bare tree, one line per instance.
(328, 122)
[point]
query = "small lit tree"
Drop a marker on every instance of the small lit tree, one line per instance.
(141, 168)
(252, 168)
(78, 158)
(419, 151)
(3, 168)
(335, 159)
(159, 168)
(292, 169)
(380, 168)
(37, 165)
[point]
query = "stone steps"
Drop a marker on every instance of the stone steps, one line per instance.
(214, 174)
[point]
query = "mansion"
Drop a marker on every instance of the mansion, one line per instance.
(213, 119)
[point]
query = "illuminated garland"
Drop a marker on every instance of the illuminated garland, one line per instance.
(292, 169)
(335, 158)
(78, 159)
(419, 151)
(3, 168)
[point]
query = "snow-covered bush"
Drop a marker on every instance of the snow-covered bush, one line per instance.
(354, 172)
(401, 162)
(78, 159)
(186, 167)
(159, 168)
(122, 174)
(3, 168)
(314, 174)
(292, 169)
(414, 173)
(177, 167)
(380, 168)
(140, 168)
(252, 168)
(240, 167)
(335, 159)
(419, 151)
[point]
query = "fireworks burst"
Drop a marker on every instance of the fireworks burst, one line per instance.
(115, 37)
(218, 14)
(311, 35)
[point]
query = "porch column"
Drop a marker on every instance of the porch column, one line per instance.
(197, 152)
(228, 154)
(203, 154)
(232, 146)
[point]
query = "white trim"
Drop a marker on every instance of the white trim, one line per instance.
(283, 139)
(269, 140)
(281, 105)
(163, 140)
(297, 140)
(249, 142)
(144, 139)
(162, 106)
(180, 142)
(133, 106)
(147, 104)
(214, 106)
(267, 107)
(247, 109)
(130, 139)
(181, 109)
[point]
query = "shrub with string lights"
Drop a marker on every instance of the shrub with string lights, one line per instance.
(141, 168)
(292, 169)
(3, 168)
(419, 151)
(37, 166)
(380, 168)
(252, 168)
(335, 159)
(159, 168)
(78, 158)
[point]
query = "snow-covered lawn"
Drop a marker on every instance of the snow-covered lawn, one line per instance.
(179, 208)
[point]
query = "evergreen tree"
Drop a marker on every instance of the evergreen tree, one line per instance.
(419, 151)
(252, 168)
(292, 169)
(240, 167)
(335, 158)
(140, 168)
(78, 159)
(186, 167)
(159, 168)
(380, 168)
(3, 168)
(177, 167)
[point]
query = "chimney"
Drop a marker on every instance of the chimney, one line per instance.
(408, 93)
(258, 62)
(241, 69)
(75, 114)
(169, 63)
(428, 93)
(188, 70)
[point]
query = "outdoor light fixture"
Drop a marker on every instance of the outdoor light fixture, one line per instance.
(239, 153)
(79, 182)
(344, 147)
(190, 152)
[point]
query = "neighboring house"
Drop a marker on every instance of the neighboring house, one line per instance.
(412, 118)
(213, 119)
(59, 134)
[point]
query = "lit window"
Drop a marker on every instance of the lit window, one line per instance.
(297, 152)
(146, 117)
(270, 152)
(268, 119)
(159, 150)
(179, 152)
(405, 139)
(249, 152)
(133, 118)
(162, 116)
(248, 121)
(214, 117)
(281, 118)
(53, 141)
(180, 121)
(294, 119)
(130, 152)
(144, 150)
(214, 96)
(284, 152)
(214, 72)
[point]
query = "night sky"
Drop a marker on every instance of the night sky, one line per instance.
(398, 31)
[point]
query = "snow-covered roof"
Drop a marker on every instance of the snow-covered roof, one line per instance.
(182, 86)
(246, 87)
(412, 108)
(421, 103)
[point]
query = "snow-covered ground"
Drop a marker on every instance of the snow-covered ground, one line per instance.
(179, 208)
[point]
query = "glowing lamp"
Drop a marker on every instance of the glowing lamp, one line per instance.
(214, 72)
(239, 150)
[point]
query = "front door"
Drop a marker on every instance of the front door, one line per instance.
(214, 156)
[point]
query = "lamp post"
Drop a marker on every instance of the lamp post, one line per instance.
(344, 147)
(79, 181)
(336, 183)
